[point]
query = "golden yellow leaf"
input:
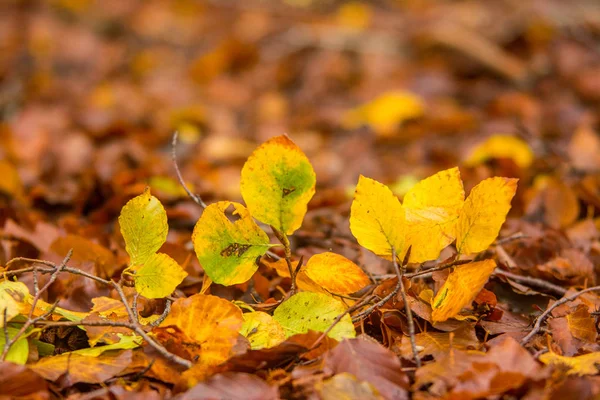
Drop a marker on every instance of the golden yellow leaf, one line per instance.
(210, 321)
(483, 214)
(432, 207)
(460, 289)
(262, 330)
(10, 182)
(502, 146)
(144, 227)
(228, 250)
(354, 15)
(277, 183)
(12, 299)
(580, 365)
(336, 273)
(377, 219)
(386, 112)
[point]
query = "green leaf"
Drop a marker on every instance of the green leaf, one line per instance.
(262, 330)
(277, 183)
(144, 227)
(126, 342)
(228, 250)
(158, 277)
(19, 351)
(313, 311)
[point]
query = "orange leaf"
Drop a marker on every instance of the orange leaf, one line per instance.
(336, 273)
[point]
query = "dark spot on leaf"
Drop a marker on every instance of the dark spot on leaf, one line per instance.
(235, 249)
(287, 191)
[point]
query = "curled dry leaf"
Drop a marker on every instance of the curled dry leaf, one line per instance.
(277, 183)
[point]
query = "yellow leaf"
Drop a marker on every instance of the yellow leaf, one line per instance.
(302, 280)
(386, 112)
(345, 386)
(336, 273)
(211, 322)
(377, 219)
(502, 146)
(228, 250)
(432, 207)
(144, 227)
(459, 290)
(158, 277)
(580, 365)
(354, 15)
(277, 183)
(262, 330)
(10, 182)
(483, 214)
(12, 298)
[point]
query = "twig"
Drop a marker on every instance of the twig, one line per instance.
(282, 237)
(540, 320)
(411, 324)
(164, 315)
(197, 199)
(5, 326)
(133, 324)
(534, 282)
(384, 300)
(38, 293)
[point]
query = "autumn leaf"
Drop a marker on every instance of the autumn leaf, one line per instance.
(11, 181)
(12, 296)
(262, 330)
(483, 214)
(432, 207)
(336, 273)
(143, 223)
(377, 219)
(158, 277)
(303, 281)
(579, 365)
(438, 344)
(277, 183)
(460, 289)
(209, 321)
(502, 146)
(582, 325)
(313, 311)
(228, 250)
(346, 386)
(386, 112)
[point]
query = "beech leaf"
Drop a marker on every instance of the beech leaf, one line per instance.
(158, 276)
(277, 183)
(336, 273)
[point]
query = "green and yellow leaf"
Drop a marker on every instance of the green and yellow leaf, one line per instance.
(158, 276)
(277, 183)
(228, 250)
(261, 330)
(313, 311)
(143, 223)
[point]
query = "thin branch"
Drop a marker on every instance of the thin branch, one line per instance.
(164, 315)
(282, 237)
(533, 282)
(411, 324)
(197, 199)
(540, 320)
(5, 325)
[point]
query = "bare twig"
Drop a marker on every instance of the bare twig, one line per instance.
(133, 323)
(282, 237)
(163, 316)
(5, 325)
(540, 320)
(409, 317)
(38, 293)
(533, 282)
(197, 199)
